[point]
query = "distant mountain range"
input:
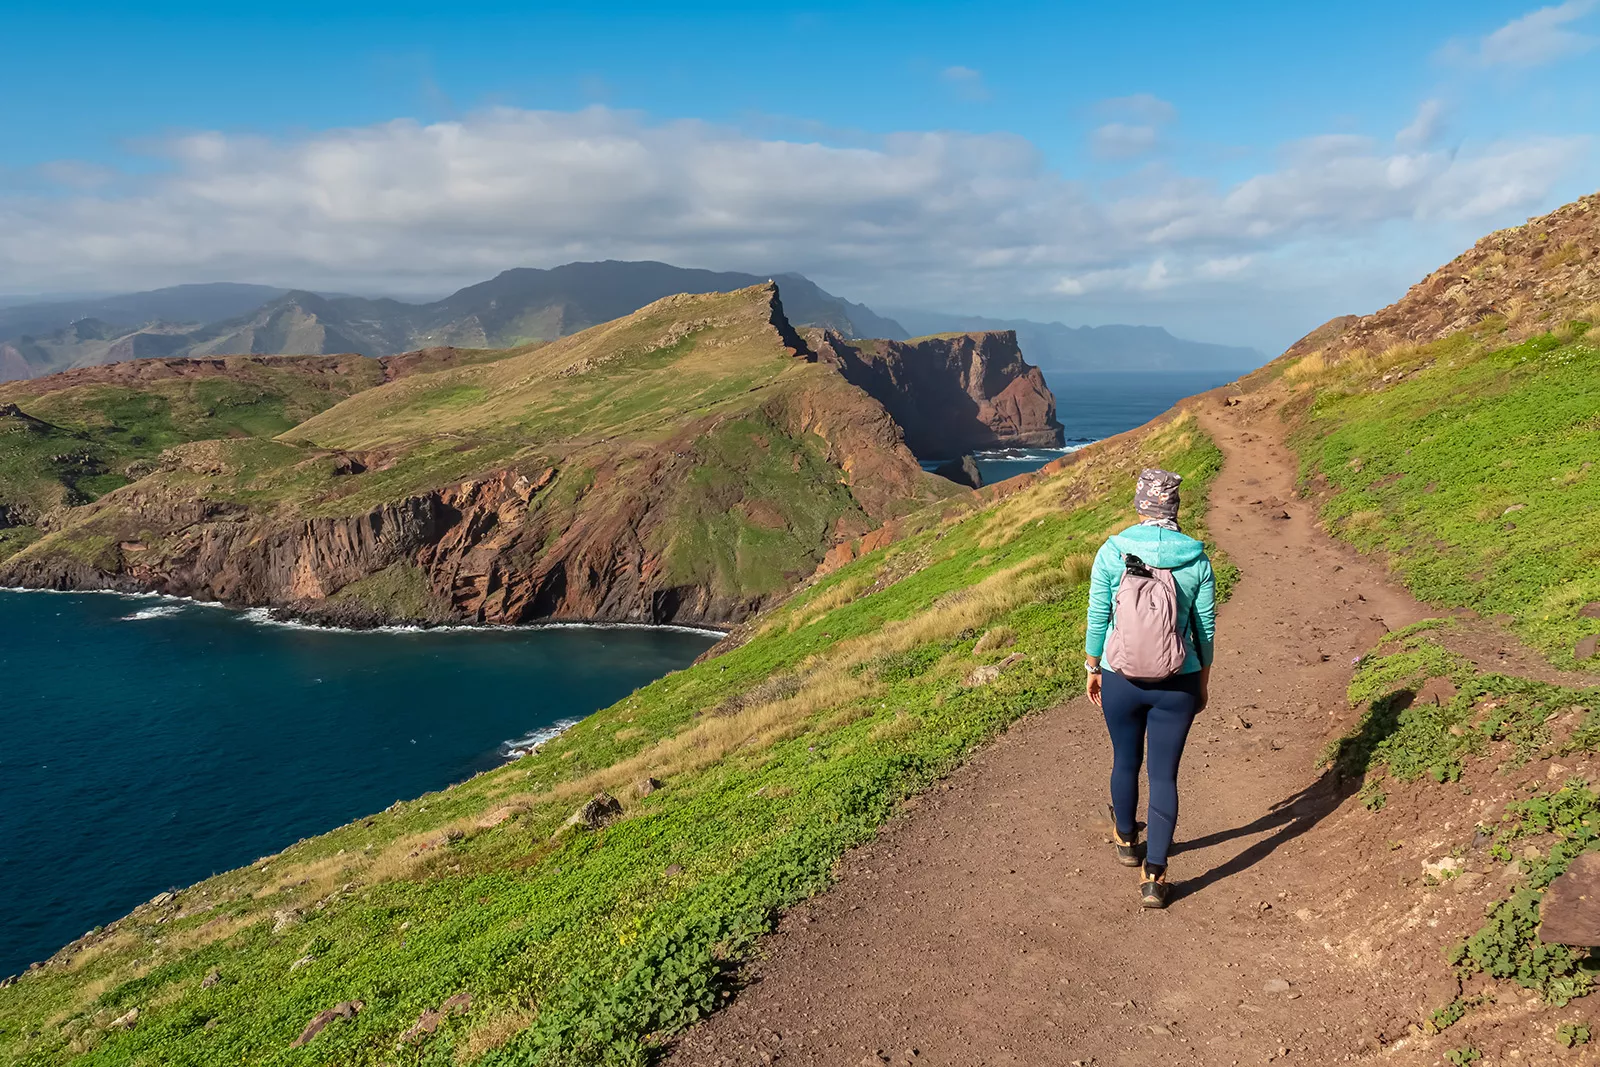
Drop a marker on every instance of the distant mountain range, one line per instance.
(515, 307)
(1052, 346)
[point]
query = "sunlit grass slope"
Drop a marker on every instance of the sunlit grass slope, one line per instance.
(590, 946)
(101, 434)
(1473, 466)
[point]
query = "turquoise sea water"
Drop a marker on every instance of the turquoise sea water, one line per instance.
(146, 743)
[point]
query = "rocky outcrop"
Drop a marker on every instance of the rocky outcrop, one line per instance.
(954, 393)
(1527, 279)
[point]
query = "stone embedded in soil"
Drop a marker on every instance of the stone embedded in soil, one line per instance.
(430, 1019)
(600, 809)
(1442, 867)
(212, 978)
(125, 1022)
(1276, 985)
(1569, 914)
(645, 786)
(343, 1010)
(981, 676)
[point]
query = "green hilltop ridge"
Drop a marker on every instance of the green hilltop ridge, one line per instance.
(1451, 432)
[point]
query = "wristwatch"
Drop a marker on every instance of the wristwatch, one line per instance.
(1091, 667)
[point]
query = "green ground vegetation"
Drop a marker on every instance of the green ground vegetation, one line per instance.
(399, 591)
(1473, 466)
(82, 441)
(1510, 721)
(591, 946)
(750, 515)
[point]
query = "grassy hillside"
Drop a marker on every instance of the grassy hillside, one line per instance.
(682, 463)
(1471, 463)
(583, 946)
(92, 431)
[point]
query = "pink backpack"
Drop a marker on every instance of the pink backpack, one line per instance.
(1146, 643)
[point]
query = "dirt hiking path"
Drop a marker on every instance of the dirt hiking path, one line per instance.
(989, 924)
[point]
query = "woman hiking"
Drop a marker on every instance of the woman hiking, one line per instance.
(1152, 619)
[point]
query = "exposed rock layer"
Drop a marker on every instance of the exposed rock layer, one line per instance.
(953, 393)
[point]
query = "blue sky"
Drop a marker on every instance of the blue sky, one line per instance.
(1238, 176)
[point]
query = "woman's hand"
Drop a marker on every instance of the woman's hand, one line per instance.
(1205, 689)
(1094, 688)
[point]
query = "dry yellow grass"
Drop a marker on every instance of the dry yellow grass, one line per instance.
(824, 687)
(493, 1031)
(951, 614)
(1077, 567)
(1358, 520)
(314, 879)
(1307, 367)
(210, 932)
(844, 593)
(898, 726)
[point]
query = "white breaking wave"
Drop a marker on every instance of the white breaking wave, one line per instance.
(1032, 455)
(159, 612)
(264, 617)
(525, 746)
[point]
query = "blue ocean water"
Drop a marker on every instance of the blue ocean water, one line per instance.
(146, 743)
(1100, 404)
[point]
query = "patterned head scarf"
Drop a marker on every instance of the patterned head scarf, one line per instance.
(1157, 495)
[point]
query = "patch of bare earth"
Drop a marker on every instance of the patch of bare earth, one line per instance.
(988, 924)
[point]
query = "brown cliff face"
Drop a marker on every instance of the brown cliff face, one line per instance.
(952, 393)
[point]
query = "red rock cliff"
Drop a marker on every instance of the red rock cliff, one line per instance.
(952, 393)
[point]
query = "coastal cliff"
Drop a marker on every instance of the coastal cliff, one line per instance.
(952, 393)
(682, 465)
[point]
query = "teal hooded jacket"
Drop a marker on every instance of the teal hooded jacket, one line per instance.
(1191, 573)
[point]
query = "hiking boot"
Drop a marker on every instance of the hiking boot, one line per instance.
(1127, 850)
(1154, 890)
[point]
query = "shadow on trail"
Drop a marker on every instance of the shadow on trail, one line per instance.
(1349, 761)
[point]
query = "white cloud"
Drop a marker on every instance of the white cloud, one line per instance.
(1539, 37)
(1425, 128)
(1117, 140)
(925, 218)
(965, 82)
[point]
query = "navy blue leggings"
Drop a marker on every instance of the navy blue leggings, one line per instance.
(1161, 712)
